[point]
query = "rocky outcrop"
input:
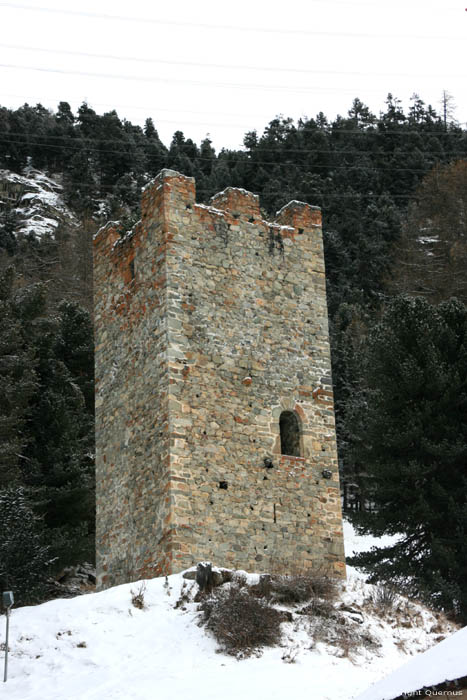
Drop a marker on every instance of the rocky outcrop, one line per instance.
(36, 202)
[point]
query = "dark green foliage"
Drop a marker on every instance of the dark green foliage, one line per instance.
(46, 416)
(24, 557)
(413, 443)
(8, 222)
(18, 379)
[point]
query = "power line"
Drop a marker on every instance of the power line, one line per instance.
(180, 81)
(275, 193)
(226, 27)
(371, 128)
(223, 66)
(148, 107)
(246, 160)
(286, 152)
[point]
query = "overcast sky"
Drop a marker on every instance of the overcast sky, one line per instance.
(224, 68)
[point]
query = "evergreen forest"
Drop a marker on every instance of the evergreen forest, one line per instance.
(393, 190)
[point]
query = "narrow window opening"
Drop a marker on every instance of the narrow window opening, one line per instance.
(290, 434)
(223, 485)
(275, 518)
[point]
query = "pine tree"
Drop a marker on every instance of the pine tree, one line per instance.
(8, 224)
(24, 556)
(413, 443)
(431, 258)
(46, 415)
(18, 383)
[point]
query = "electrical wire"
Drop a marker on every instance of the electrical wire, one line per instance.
(223, 66)
(146, 108)
(157, 108)
(284, 153)
(275, 193)
(225, 27)
(181, 81)
(88, 148)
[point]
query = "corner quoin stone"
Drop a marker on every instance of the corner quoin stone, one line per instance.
(210, 322)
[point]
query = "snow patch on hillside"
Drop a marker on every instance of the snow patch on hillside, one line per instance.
(99, 646)
(39, 205)
(446, 661)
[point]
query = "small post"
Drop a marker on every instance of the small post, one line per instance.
(7, 600)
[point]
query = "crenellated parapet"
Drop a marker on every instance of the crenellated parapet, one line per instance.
(212, 348)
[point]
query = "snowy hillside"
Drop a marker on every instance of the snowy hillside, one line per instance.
(99, 646)
(446, 661)
(36, 200)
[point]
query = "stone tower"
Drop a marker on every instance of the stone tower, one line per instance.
(214, 408)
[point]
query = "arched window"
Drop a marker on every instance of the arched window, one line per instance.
(290, 434)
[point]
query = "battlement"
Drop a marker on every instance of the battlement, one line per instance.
(299, 215)
(172, 194)
(214, 437)
(238, 202)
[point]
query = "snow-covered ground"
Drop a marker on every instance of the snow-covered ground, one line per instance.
(98, 646)
(445, 661)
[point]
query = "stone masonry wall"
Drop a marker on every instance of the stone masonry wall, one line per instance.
(210, 322)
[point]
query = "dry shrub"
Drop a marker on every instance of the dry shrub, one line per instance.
(401, 644)
(167, 586)
(241, 622)
(137, 597)
(299, 588)
(319, 607)
(289, 656)
(352, 641)
(343, 634)
(383, 599)
(185, 596)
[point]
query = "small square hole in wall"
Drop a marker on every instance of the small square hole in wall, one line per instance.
(300, 231)
(223, 485)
